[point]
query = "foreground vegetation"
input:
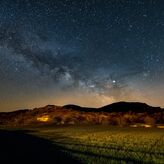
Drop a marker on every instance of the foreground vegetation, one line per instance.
(105, 144)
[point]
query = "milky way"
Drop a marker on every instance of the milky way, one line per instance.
(87, 52)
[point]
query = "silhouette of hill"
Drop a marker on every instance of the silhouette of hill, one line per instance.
(116, 113)
(136, 107)
(72, 106)
(19, 147)
(79, 108)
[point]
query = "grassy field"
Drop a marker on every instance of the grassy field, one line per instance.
(104, 144)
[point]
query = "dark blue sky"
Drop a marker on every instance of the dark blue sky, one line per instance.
(88, 52)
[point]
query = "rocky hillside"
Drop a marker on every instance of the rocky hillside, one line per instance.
(121, 113)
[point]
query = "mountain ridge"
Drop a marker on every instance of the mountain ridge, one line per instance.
(121, 104)
(129, 112)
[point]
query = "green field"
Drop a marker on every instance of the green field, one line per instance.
(104, 144)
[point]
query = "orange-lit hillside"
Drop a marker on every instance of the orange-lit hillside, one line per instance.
(72, 114)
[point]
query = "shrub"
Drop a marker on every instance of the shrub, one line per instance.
(149, 120)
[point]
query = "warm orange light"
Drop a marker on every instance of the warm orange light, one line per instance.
(43, 118)
(160, 126)
(147, 126)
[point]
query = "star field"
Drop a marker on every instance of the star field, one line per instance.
(87, 52)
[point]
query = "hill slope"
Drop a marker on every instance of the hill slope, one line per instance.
(121, 113)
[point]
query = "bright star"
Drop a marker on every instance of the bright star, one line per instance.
(114, 81)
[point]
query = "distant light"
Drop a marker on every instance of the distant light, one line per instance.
(160, 126)
(43, 118)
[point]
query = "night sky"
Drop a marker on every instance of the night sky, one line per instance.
(85, 52)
